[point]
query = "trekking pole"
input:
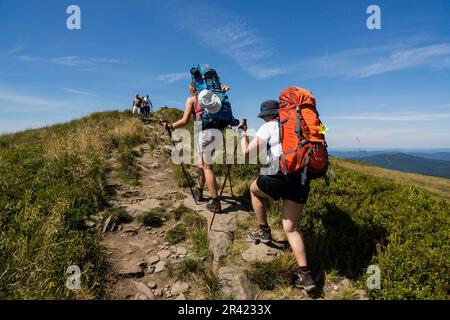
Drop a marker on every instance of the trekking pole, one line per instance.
(182, 166)
(227, 176)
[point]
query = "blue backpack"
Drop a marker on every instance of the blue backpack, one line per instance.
(206, 78)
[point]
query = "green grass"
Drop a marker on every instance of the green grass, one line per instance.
(120, 216)
(437, 186)
(51, 180)
(176, 234)
(278, 272)
(211, 285)
(345, 294)
(332, 275)
(192, 220)
(180, 211)
(190, 267)
(363, 220)
(128, 170)
(170, 269)
(152, 218)
(180, 178)
(200, 244)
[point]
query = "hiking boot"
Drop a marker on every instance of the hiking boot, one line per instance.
(214, 205)
(305, 280)
(198, 195)
(263, 234)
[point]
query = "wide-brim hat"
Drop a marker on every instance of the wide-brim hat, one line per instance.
(269, 108)
(209, 101)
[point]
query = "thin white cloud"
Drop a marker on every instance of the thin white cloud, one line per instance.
(229, 35)
(400, 59)
(11, 52)
(408, 117)
(17, 98)
(80, 92)
(366, 62)
(75, 61)
(87, 64)
(173, 77)
(11, 100)
(26, 57)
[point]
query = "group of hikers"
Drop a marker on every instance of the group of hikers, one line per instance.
(296, 153)
(142, 106)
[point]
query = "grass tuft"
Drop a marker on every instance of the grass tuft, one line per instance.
(152, 218)
(278, 272)
(176, 234)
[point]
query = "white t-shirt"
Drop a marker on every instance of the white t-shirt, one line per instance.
(270, 134)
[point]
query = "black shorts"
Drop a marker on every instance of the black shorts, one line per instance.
(286, 187)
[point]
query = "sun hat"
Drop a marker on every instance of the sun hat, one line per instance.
(269, 108)
(209, 101)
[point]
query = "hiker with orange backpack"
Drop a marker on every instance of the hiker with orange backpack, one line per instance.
(209, 104)
(295, 145)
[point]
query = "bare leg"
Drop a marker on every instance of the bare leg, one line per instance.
(291, 215)
(210, 179)
(258, 203)
(201, 178)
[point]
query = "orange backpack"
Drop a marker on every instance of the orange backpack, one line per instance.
(304, 146)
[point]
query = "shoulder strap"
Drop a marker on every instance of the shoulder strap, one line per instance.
(194, 111)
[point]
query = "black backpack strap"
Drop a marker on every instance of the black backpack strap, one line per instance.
(305, 168)
(283, 156)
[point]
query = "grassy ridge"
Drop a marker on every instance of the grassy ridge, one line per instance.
(437, 186)
(51, 180)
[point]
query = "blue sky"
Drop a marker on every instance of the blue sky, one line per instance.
(389, 88)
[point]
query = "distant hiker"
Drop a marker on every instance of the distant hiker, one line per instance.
(150, 103)
(279, 181)
(206, 173)
(137, 105)
(147, 106)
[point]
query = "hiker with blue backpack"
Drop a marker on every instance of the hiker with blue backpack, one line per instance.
(208, 104)
(147, 106)
(296, 153)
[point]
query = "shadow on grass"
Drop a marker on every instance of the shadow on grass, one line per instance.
(342, 244)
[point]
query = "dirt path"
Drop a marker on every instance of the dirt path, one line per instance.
(138, 254)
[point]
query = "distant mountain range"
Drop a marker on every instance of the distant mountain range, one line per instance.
(428, 165)
(352, 154)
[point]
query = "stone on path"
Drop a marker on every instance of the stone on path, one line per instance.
(142, 206)
(181, 251)
(164, 254)
(153, 260)
(145, 290)
(160, 266)
(260, 253)
(179, 287)
(236, 283)
(130, 269)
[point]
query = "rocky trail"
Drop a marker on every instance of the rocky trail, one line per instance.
(141, 259)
